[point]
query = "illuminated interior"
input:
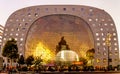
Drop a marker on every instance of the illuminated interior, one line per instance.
(46, 32)
(43, 52)
(67, 55)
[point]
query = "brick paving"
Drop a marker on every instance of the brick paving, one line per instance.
(72, 72)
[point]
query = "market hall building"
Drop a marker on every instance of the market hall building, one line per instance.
(83, 28)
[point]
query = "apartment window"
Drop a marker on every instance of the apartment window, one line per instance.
(98, 60)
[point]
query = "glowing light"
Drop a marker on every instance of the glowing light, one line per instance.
(62, 55)
(67, 55)
(83, 49)
(43, 52)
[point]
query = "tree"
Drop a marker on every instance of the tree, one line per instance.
(90, 54)
(38, 61)
(10, 50)
(81, 59)
(21, 60)
(29, 60)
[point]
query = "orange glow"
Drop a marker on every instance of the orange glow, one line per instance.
(77, 63)
(43, 52)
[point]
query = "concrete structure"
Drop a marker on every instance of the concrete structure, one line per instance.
(92, 25)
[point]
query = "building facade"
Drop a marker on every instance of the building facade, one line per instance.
(83, 27)
(1, 34)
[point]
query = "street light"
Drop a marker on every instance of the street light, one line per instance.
(108, 43)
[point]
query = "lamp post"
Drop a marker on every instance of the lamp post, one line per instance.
(108, 43)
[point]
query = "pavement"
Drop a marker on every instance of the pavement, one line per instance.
(72, 72)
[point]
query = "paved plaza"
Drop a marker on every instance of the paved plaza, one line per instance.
(74, 72)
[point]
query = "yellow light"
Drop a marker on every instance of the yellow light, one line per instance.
(83, 49)
(43, 52)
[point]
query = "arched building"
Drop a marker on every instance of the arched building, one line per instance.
(84, 27)
(1, 34)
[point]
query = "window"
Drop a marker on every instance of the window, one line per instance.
(11, 20)
(6, 29)
(103, 20)
(90, 19)
(5, 34)
(104, 48)
(29, 14)
(16, 39)
(90, 9)
(96, 19)
(11, 34)
(4, 38)
(64, 9)
(12, 29)
(36, 14)
(99, 24)
(113, 29)
(21, 44)
(103, 39)
(109, 19)
(115, 39)
(0, 36)
(105, 24)
(102, 34)
(115, 60)
(38, 9)
(55, 9)
(20, 50)
(99, 53)
(116, 53)
(23, 28)
(115, 48)
(93, 25)
(21, 39)
(30, 19)
(26, 24)
(101, 29)
(98, 44)
(17, 34)
(104, 43)
(46, 9)
(20, 24)
(98, 39)
(10, 38)
(73, 9)
(90, 14)
(111, 24)
(114, 34)
(98, 60)
(104, 60)
(17, 20)
(104, 53)
(115, 44)
(22, 34)
(110, 53)
(97, 34)
(18, 29)
(23, 19)
(21, 54)
(82, 9)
